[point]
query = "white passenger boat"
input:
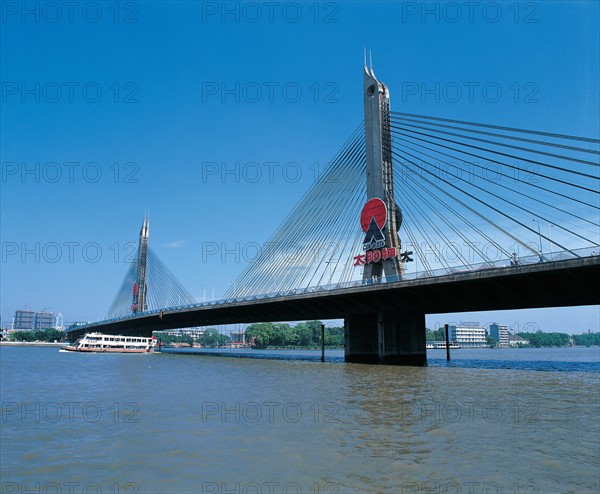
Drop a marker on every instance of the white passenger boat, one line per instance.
(110, 343)
(441, 345)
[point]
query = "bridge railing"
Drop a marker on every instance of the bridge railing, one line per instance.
(477, 267)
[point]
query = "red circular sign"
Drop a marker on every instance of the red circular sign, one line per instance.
(373, 208)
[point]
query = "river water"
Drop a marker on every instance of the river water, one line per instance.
(490, 421)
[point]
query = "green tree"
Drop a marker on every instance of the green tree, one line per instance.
(23, 336)
(168, 339)
(334, 336)
(212, 338)
(259, 334)
(439, 334)
(540, 339)
(587, 339)
(305, 335)
(281, 335)
(52, 334)
(315, 327)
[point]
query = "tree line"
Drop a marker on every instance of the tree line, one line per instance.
(50, 335)
(589, 339)
(540, 339)
(304, 334)
(308, 334)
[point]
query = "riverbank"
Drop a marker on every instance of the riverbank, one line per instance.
(30, 343)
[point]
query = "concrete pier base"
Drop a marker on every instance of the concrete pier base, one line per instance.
(385, 338)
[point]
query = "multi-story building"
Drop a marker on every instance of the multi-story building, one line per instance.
(515, 340)
(500, 333)
(237, 338)
(467, 335)
(44, 320)
(193, 332)
(23, 320)
(28, 320)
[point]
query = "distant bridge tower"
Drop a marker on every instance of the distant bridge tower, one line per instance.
(140, 288)
(374, 334)
(380, 181)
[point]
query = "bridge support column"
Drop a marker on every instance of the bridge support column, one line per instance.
(385, 338)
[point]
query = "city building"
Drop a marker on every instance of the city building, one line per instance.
(195, 333)
(467, 335)
(23, 320)
(237, 339)
(500, 333)
(515, 340)
(29, 320)
(44, 320)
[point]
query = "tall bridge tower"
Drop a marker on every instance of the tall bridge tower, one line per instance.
(140, 288)
(375, 334)
(381, 217)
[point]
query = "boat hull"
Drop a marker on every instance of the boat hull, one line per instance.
(105, 350)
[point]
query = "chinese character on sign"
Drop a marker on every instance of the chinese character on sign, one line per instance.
(372, 256)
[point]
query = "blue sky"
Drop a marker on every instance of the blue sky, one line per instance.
(166, 108)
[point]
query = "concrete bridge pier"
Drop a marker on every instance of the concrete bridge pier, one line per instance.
(385, 338)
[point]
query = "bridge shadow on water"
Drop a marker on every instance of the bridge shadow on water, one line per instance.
(337, 357)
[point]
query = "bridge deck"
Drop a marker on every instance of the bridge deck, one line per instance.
(571, 282)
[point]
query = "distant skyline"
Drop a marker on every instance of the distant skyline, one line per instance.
(215, 121)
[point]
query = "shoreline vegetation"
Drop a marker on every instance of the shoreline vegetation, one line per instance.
(30, 343)
(302, 336)
(287, 348)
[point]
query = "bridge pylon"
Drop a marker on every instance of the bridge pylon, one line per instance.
(374, 335)
(381, 216)
(140, 287)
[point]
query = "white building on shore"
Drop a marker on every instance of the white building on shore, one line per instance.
(468, 335)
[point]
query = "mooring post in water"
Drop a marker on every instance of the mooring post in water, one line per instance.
(447, 342)
(322, 342)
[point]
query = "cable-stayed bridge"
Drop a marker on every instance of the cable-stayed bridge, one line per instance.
(414, 215)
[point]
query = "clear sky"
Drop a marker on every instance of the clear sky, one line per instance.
(111, 110)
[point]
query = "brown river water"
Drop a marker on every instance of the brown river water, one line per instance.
(512, 421)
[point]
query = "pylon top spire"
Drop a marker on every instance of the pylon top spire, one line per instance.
(145, 231)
